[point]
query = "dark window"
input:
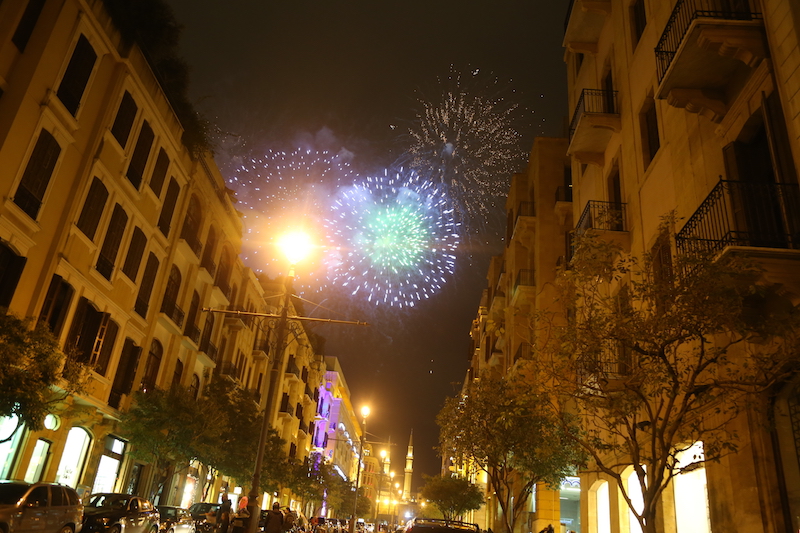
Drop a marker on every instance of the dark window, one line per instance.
(650, 132)
(56, 304)
(159, 172)
(208, 253)
(126, 372)
(191, 225)
(153, 365)
(101, 358)
(93, 208)
(224, 274)
(135, 253)
(169, 303)
(638, 20)
(11, 266)
(168, 208)
(77, 75)
(110, 249)
(194, 386)
(37, 497)
(140, 155)
(178, 374)
(27, 23)
(146, 287)
(36, 177)
(89, 326)
(126, 114)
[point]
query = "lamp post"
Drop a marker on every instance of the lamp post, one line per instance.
(295, 247)
(364, 415)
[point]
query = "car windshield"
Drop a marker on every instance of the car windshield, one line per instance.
(168, 512)
(10, 493)
(110, 501)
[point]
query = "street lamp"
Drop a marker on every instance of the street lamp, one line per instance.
(364, 415)
(295, 246)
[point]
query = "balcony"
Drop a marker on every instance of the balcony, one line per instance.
(292, 370)
(193, 332)
(594, 121)
(208, 348)
(707, 53)
(584, 24)
(603, 216)
(210, 266)
(520, 220)
(286, 409)
(743, 214)
(524, 351)
(175, 313)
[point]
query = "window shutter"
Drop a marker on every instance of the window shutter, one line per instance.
(38, 172)
(77, 75)
(159, 172)
(93, 208)
(27, 23)
(126, 114)
(11, 266)
(140, 155)
(111, 243)
(135, 253)
(168, 208)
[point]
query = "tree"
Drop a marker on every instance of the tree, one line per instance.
(453, 496)
(659, 354)
(504, 427)
(35, 375)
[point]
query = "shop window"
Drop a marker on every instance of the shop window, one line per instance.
(36, 178)
(108, 468)
(691, 491)
(11, 435)
(123, 122)
(11, 266)
(146, 287)
(56, 304)
(634, 489)
(93, 208)
(38, 461)
(141, 153)
(159, 172)
(27, 23)
(73, 457)
(168, 207)
(602, 508)
(111, 243)
(133, 259)
(79, 69)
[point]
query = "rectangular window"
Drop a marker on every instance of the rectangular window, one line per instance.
(86, 334)
(27, 23)
(141, 153)
(651, 141)
(126, 372)
(168, 207)
(38, 172)
(11, 266)
(77, 75)
(102, 354)
(146, 287)
(108, 253)
(135, 253)
(56, 304)
(93, 208)
(638, 20)
(126, 114)
(159, 172)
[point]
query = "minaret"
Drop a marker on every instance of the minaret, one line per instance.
(409, 468)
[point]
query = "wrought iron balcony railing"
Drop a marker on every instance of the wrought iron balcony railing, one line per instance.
(175, 313)
(606, 216)
(593, 101)
(525, 277)
(193, 332)
(686, 12)
(739, 213)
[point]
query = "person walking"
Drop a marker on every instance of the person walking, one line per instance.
(274, 519)
(224, 515)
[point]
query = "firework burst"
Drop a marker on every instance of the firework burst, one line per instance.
(394, 239)
(467, 141)
(280, 189)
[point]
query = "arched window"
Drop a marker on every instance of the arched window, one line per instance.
(169, 305)
(191, 330)
(691, 491)
(178, 374)
(73, 457)
(224, 273)
(634, 489)
(191, 225)
(601, 506)
(153, 365)
(208, 254)
(194, 386)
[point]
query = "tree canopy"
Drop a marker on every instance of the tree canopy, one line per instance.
(658, 353)
(35, 375)
(504, 426)
(453, 496)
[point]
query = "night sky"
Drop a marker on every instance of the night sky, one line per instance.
(336, 74)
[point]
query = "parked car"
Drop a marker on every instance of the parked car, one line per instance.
(175, 519)
(117, 513)
(39, 507)
(205, 516)
(435, 525)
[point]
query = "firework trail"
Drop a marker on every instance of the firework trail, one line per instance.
(279, 189)
(466, 140)
(393, 239)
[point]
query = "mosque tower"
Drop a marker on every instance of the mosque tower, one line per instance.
(409, 470)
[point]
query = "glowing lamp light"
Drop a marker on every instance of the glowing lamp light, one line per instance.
(295, 246)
